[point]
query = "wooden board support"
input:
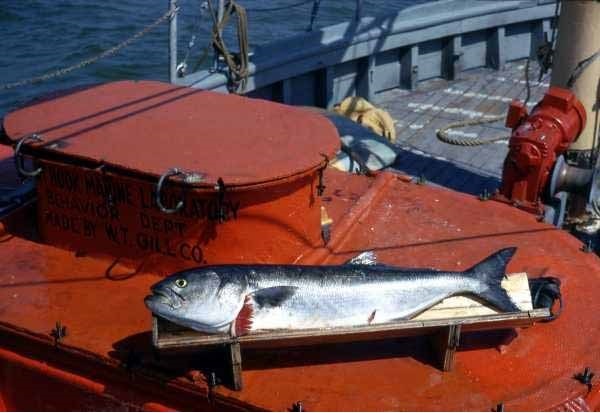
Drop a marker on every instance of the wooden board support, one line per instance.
(444, 323)
(235, 361)
(445, 342)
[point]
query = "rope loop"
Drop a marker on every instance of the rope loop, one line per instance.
(237, 63)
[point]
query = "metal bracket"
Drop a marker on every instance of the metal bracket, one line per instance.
(220, 188)
(58, 333)
(19, 163)
(171, 172)
(321, 186)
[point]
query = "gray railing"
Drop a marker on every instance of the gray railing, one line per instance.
(369, 55)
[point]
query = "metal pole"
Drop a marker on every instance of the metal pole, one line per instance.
(578, 38)
(220, 14)
(173, 43)
(358, 12)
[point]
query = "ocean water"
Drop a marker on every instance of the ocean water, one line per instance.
(39, 36)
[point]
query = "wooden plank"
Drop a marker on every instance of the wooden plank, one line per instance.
(184, 338)
(516, 285)
(445, 344)
(235, 362)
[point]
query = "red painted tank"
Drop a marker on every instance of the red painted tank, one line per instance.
(242, 170)
(106, 360)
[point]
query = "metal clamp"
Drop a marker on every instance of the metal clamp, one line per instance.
(159, 185)
(19, 162)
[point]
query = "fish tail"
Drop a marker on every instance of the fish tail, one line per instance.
(491, 272)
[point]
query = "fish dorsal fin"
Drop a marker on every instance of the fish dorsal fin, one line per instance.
(273, 296)
(364, 258)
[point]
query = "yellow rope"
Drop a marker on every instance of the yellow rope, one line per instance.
(363, 112)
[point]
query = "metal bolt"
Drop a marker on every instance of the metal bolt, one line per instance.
(325, 233)
(485, 195)
(213, 380)
(587, 247)
(585, 377)
(58, 332)
(298, 407)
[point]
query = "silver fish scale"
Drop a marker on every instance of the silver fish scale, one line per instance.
(350, 295)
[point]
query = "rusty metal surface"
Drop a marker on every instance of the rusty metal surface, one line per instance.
(406, 224)
(148, 127)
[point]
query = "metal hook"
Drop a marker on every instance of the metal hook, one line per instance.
(321, 185)
(159, 185)
(19, 163)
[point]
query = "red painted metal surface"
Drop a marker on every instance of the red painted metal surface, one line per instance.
(536, 141)
(148, 127)
(106, 360)
(405, 224)
(104, 148)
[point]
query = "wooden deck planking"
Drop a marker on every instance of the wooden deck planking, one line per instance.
(438, 102)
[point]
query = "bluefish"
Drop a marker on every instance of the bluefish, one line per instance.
(243, 298)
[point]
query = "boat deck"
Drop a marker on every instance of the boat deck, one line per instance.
(436, 103)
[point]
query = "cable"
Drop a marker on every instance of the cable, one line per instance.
(580, 68)
(527, 85)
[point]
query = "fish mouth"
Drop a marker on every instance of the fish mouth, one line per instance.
(164, 296)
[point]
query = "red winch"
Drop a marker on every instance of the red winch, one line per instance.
(537, 140)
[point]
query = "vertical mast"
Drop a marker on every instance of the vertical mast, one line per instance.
(173, 42)
(578, 39)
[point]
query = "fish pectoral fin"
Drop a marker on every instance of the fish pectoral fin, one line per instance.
(273, 296)
(364, 258)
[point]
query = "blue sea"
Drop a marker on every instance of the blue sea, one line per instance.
(40, 36)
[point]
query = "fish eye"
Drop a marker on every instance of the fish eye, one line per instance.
(181, 283)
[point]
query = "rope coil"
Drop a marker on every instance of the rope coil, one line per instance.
(236, 63)
(444, 135)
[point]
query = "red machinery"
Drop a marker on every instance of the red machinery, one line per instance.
(536, 142)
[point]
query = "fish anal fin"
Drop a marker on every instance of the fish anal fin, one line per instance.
(273, 296)
(364, 258)
(243, 321)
